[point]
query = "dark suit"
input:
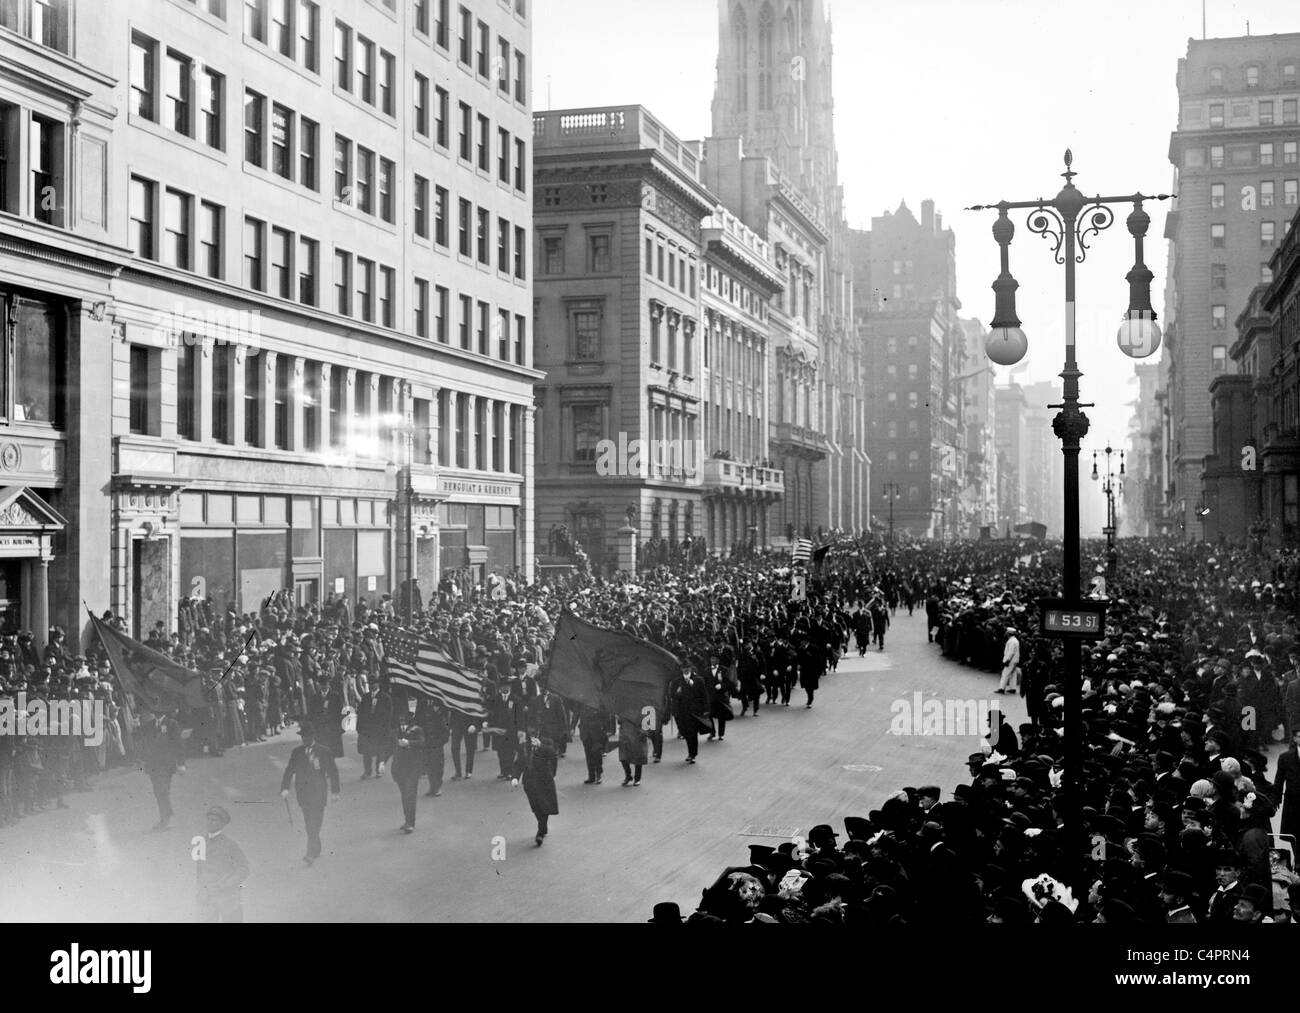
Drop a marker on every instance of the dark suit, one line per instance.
(690, 709)
(163, 756)
(1222, 902)
(436, 734)
(460, 725)
(312, 771)
(408, 764)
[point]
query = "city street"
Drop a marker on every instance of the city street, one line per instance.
(612, 853)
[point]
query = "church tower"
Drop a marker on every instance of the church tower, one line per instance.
(774, 91)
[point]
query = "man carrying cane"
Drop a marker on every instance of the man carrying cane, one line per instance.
(310, 769)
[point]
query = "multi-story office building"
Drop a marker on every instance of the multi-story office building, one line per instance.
(1251, 478)
(978, 391)
(740, 481)
(1142, 502)
(1043, 464)
(1010, 413)
(754, 189)
(1237, 155)
(915, 350)
(619, 203)
(774, 96)
(281, 251)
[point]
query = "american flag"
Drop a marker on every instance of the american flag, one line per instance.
(418, 665)
(802, 550)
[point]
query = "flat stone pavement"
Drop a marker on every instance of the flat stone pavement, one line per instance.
(612, 853)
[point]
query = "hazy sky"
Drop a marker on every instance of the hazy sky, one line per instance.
(963, 101)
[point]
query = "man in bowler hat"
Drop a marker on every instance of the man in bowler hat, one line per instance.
(311, 768)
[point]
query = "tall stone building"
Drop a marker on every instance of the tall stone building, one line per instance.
(774, 102)
(1143, 498)
(905, 274)
(1011, 412)
(619, 203)
(267, 286)
(1238, 183)
(978, 392)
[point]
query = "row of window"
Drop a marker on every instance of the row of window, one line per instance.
(1267, 234)
(681, 271)
(37, 193)
(1244, 156)
(659, 316)
(478, 330)
(599, 256)
(1219, 275)
(271, 403)
(43, 21)
(275, 261)
(287, 27)
(1242, 110)
(736, 293)
(1251, 75)
(172, 89)
(1265, 198)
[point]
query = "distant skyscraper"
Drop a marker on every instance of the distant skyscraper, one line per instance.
(774, 102)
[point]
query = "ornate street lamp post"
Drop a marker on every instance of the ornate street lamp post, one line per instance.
(892, 492)
(1069, 221)
(1110, 490)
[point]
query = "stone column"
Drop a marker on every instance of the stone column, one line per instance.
(236, 406)
(489, 432)
(370, 418)
(295, 407)
(349, 408)
(40, 590)
(323, 395)
(266, 438)
(471, 432)
(434, 435)
(453, 442)
(203, 396)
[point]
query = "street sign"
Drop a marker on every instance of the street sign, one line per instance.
(1077, 620)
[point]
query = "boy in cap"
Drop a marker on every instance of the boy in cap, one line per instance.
(222, 869)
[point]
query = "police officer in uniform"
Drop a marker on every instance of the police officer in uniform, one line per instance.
(311, 768)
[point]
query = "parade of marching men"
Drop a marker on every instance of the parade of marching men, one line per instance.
(537, 462)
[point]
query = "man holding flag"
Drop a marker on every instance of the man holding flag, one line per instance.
(610, 671)
(420, 666)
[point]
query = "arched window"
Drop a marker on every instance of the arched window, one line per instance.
(766, 56)
(740, 36)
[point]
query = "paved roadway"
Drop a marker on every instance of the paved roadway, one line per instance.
(612, 853)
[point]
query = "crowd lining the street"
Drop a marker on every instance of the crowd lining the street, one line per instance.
(1196, 682)
(1198, 677)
